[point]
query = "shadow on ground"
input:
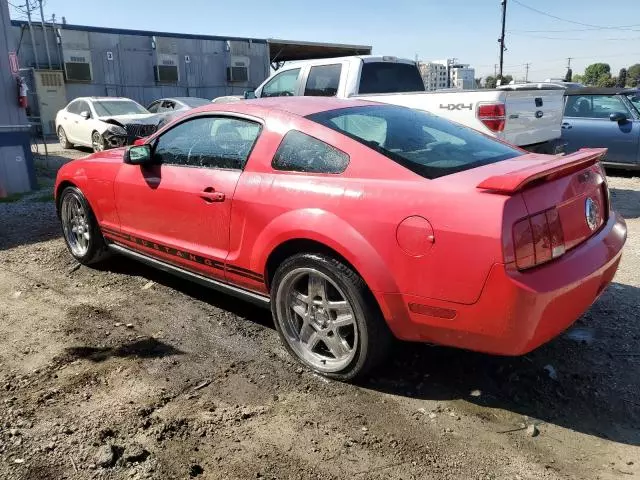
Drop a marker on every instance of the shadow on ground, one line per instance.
(145, 348)
(595, 367)
(124, 266)
(627, 202)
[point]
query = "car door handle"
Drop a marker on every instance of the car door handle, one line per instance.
(566, 126)
(210, 195)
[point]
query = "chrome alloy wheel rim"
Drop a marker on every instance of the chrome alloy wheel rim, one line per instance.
(317, 320)
(75, 224)
(62, 137)
(97, 142)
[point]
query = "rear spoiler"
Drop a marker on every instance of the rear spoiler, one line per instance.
(515, 181)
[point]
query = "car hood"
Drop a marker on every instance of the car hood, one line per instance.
(142, 118)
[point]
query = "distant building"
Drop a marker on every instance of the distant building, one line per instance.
(462, 76)
(434, 75)
(439, 74)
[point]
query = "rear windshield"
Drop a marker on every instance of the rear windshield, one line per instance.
(390, 77)
(117, 107)
(423, 143)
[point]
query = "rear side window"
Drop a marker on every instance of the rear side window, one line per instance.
(299, 152)
(390, 77)
(427, 145)
(323, 81)
(74, 107)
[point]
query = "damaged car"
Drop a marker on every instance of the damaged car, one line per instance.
(104, 122)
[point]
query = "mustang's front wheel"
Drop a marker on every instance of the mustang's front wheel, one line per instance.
(327, 318)
(80, 228)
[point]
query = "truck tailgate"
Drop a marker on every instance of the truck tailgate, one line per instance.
(533, 116)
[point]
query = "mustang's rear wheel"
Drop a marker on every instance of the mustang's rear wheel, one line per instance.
(80, 228)
(327, 318)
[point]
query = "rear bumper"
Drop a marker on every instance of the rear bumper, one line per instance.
(517, 311)
(550, 147)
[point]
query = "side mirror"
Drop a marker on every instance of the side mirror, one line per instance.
(86, 115)
(618, 117)
(248, 94)
(138, 155)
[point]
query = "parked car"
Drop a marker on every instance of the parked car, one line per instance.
(228, 99)
(356, 221)
(604, 117)
(170, 108)
(103, 122)
(528, 117)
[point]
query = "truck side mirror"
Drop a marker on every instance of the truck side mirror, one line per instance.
(248, 94)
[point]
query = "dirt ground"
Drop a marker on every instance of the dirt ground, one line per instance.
(129, 373)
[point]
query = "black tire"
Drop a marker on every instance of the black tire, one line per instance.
(375, 338)
(98, 143)
(96, 250)
(62, 138)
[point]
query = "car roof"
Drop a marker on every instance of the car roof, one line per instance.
(301, 106)
(600, 91)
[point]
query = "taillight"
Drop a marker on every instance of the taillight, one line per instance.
(538, 239)
(492, 115)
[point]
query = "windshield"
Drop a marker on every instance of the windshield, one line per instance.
(195, 102)
(118, 107)
(423, 143)
(390, 77)
(634, 98)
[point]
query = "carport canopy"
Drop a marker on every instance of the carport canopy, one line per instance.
(289, 50)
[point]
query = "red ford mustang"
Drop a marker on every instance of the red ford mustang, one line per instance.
(356, 222)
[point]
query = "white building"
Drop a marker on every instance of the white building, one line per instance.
(462, 76)
(434, 75)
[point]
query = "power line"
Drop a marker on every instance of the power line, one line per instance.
(564, 30)
(543, 37)
(546, 14)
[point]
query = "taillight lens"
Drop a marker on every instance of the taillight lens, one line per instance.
(492, 115)
(538, 239)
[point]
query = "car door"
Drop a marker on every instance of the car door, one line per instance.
(179, 208)
(70, 118)
(84, 127)
(586, 123)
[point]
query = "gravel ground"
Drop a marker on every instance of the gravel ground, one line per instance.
(129, 373)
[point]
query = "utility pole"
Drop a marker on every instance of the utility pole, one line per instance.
(33, 38)
(495, 70)
(44, 34)
(569, 62)
(502, 47)
(526, 75)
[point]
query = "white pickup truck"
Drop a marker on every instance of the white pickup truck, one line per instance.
(529, 118)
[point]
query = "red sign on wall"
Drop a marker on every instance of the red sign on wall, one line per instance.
(13, 63)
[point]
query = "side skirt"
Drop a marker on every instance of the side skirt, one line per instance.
(253, 297)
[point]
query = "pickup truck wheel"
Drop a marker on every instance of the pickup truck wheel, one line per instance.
(62, 138)
(80, 228)
(327, 318)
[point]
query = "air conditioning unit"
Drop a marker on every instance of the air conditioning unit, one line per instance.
(166, 69)
(77, 66)
(238, 71)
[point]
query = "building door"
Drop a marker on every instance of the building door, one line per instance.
(52, 96)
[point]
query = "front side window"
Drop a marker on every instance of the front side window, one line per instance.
(390, 77)
(83, 107)
(106, 108)
(210, 142)
(153, 108)
(323, 81)
(299, 152)
(427, 145)
(634, 98)
(594, 106)
(282, 85)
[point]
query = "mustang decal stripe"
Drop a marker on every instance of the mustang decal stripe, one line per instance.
(109, 232)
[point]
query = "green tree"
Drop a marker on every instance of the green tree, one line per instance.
(622, 78)
(606, 81)
(490, 82)
(633, 75)
(506, 79)
(577, 78)
(593, 73)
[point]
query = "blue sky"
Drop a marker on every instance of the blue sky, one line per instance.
(432, 29)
